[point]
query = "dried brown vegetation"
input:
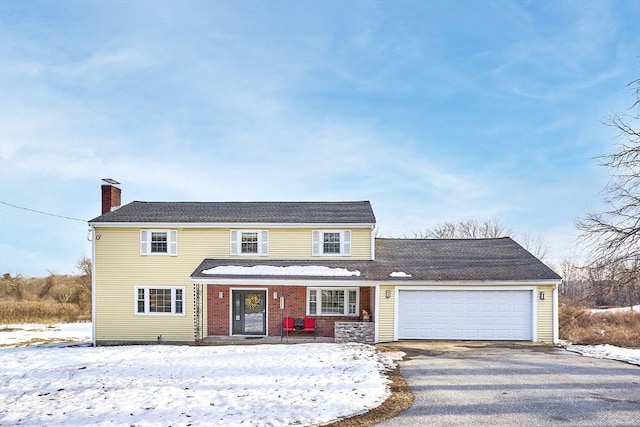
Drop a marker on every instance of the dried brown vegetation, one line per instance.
(55, 298)
(41, 312)
(580, 326)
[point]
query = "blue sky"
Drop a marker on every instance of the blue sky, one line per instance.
(434, 111)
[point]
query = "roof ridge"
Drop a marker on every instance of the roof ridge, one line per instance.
(254, 201)
(445, 239)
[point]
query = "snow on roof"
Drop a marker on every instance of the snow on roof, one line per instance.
(399, 274)
(272, 270)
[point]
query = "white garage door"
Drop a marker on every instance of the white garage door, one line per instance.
(465, 315)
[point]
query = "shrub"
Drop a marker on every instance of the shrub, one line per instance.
(580, 326)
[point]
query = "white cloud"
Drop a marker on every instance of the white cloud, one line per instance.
(497, 119)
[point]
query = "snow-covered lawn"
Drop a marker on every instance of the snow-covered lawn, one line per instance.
(29, 334)
(257, 385)
(262, 385)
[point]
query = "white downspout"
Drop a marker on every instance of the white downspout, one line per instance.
(93, 284)
(556, 337)
(376, 318)
(373, 242)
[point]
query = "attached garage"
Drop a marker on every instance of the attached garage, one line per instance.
(465, 315)
(463, 289)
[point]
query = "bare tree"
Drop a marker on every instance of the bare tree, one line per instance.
(474, 229)
(84, 266)
(469, 229)
(534, 244)
(14, 283)
(614, 235)
(84, 280)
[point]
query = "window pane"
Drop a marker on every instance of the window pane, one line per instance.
(352, 302)
(313, 302)
(178, 301)
(158, 242)
(249, 243)
(160, 300)
(332, 302)
(140, 300)
(331, 243)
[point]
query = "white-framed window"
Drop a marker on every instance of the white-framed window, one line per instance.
(331, 242)
(250, 242)
(159, 300)
(333, 301)
(159, 242)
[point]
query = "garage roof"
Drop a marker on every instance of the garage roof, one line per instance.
(500, 259)
(460, 259)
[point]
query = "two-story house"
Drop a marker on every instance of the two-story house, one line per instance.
(182, 271)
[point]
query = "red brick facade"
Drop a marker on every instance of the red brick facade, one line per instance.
(219, 298)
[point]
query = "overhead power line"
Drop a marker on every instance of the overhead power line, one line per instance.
(42, 213)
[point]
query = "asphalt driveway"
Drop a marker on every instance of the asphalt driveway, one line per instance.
(500, 384)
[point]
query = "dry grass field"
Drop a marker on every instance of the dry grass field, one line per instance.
(580, 326)
(51, 299)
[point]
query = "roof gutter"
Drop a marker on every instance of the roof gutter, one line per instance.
(229, 225)
(294, 281)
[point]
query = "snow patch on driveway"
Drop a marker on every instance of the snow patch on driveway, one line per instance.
(606, 351)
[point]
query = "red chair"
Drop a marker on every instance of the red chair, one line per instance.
(310, 326)
(287, 326)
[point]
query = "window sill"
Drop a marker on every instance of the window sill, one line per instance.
(334, 315)
(161, 314)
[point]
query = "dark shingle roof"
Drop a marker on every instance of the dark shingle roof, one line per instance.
(433, 259)
(242, 212)
(460, 259)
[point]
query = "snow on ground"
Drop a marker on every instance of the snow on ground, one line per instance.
(615, 309)
(30, 333)
(252, 385)
(606, 351)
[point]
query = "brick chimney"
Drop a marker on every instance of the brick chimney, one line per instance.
(110, 195)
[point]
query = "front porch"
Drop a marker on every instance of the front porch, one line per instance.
(363, 332)
(240, 340)
(246, 314)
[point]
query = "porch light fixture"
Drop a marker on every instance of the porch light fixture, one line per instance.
(387, 293)
(275, 295)
(220, 294)
(541, 295)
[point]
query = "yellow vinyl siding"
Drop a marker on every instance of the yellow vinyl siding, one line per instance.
(119, 267)
(285, 243)
(296, 243)
(386, 312)
(545, 314)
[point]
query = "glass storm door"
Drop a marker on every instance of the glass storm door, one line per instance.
(249, 313)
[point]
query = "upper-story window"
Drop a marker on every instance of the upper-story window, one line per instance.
(249, 242)
(159, 242)
(331, 242)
